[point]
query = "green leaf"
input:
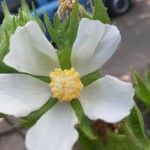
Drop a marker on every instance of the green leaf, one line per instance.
(85, 124)
(120, 142)
(86, 127)
(59, 31)
(31, 119)
(135, 124)
(148, 80)
(37, 18)
(65, 57)
(8, 19)
(148, 76)
(52, 32)
(24, 14)
(4, 44)
(8, 27)
(100, 12)
(20, 18)
(64, 28)
(73, 24)
(5, 9)
(84, 13)
(134, 128)
(57, 23)
(88, 79)
(14, 23)
(141, 89)
(85, 144)
(25, 9)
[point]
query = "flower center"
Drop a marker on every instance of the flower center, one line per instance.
(65, 84)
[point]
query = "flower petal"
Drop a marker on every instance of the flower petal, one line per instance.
(31, 52)
(95, 44)
(54, 130)
(108, 99)
(21, 94)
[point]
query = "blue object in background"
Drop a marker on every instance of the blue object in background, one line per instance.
(115, 7)
(42, 2)
(51, 6)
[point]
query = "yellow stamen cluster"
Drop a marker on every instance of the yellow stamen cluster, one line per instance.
(65, 84)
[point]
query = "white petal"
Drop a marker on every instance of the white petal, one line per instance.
(31, 52)
(108, 98)
(54, 130)
(95, 44)
(21, 94)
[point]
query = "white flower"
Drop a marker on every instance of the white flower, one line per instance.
(107, 98)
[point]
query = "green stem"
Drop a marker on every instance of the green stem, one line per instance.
(78, 109)
(89, 78)
(31, 119)
(85, 124)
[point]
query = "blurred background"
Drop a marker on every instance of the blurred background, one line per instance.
(133, 21)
